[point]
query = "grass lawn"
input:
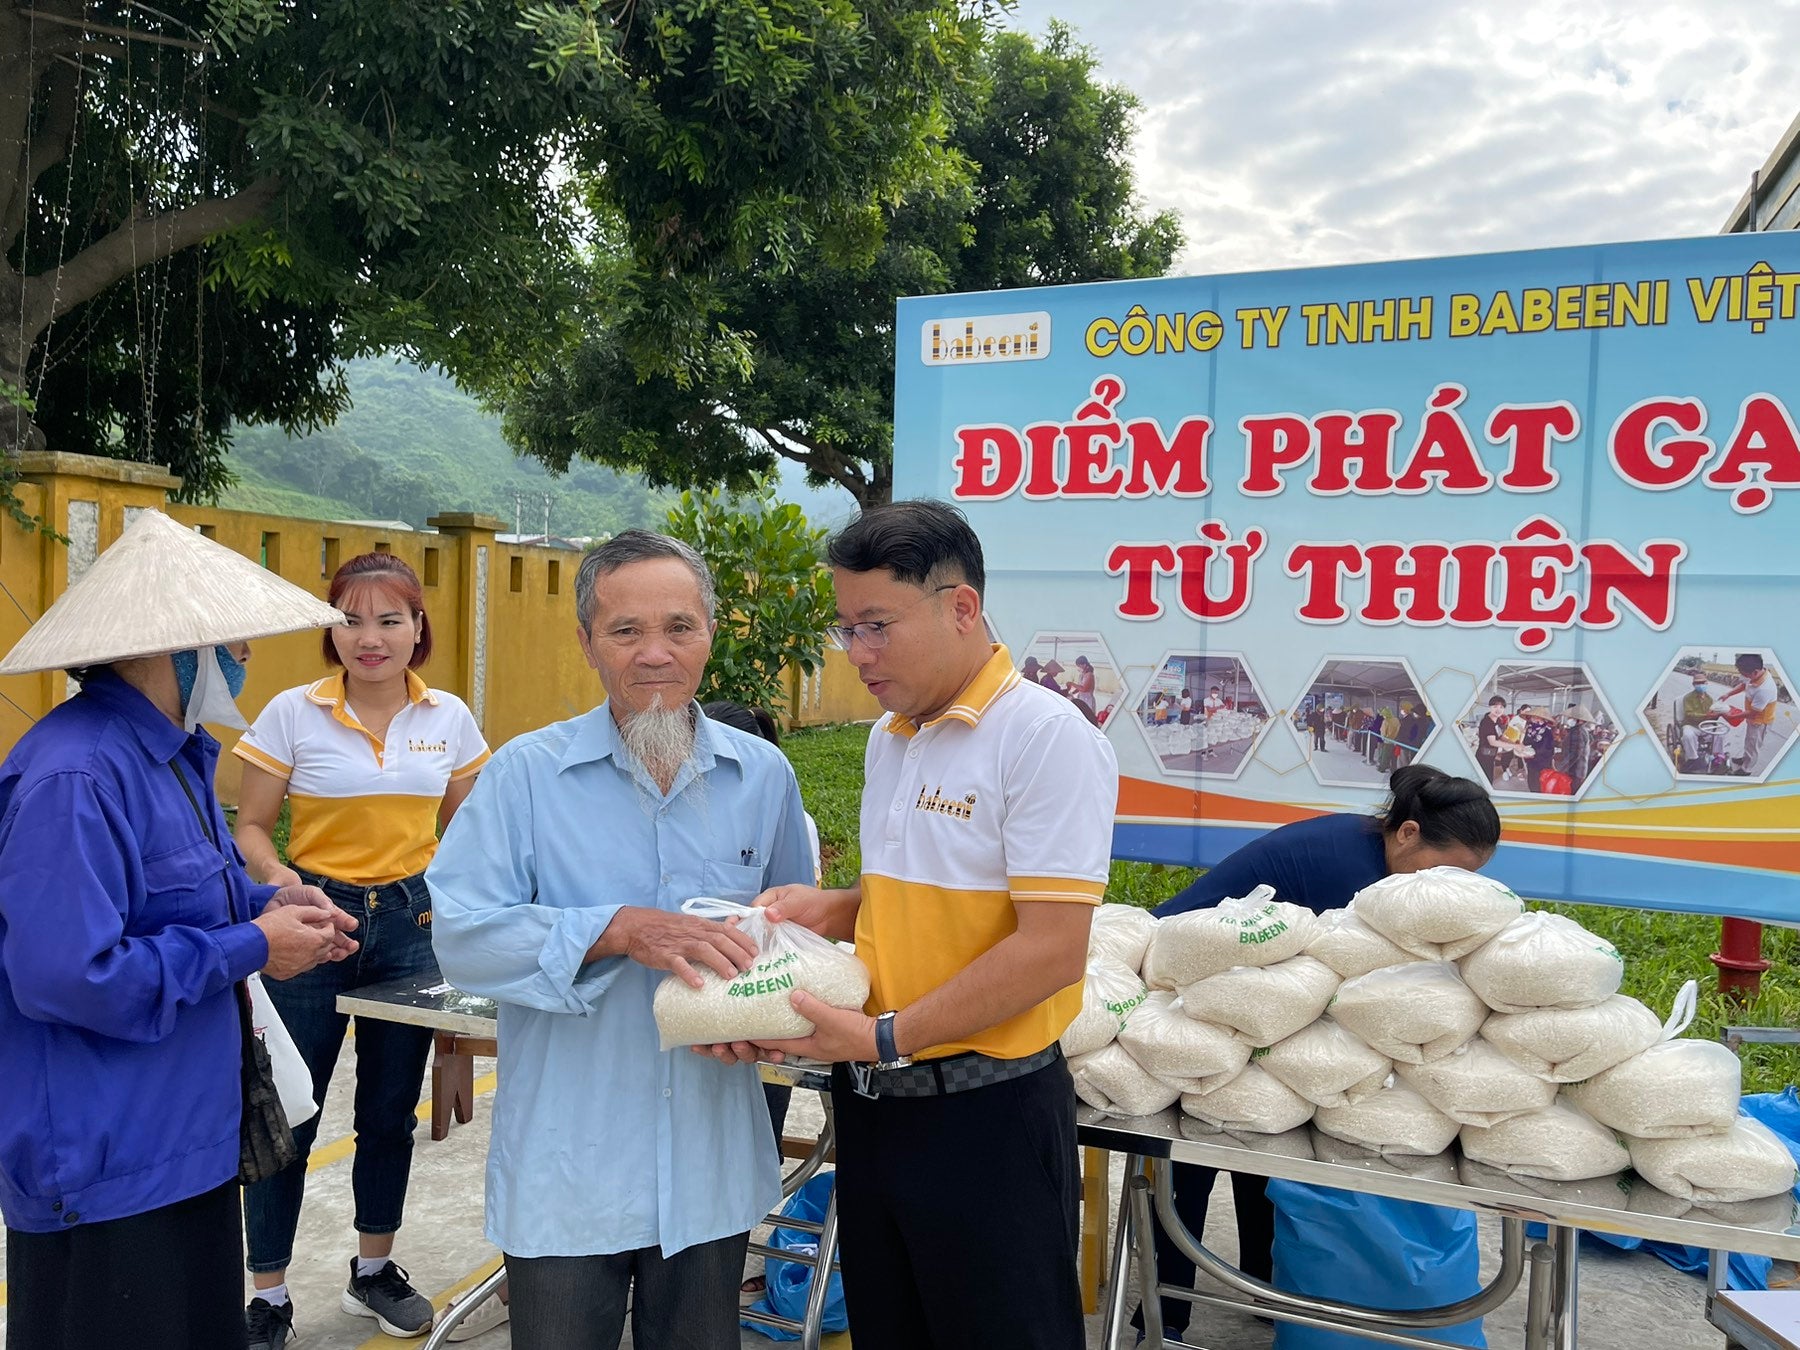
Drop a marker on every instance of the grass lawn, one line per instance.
(1661, 951)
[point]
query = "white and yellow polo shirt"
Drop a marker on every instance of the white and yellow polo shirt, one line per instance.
(364, 810)
(1007, 795)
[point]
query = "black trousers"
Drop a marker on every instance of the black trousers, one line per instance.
(1256, 1235)
(169, 1279)
(957, 1216)
(687, 1301)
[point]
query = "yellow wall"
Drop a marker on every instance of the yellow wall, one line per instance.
(507, 647)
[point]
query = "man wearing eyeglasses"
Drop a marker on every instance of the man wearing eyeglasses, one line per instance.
(986, 838)
(619, 1174)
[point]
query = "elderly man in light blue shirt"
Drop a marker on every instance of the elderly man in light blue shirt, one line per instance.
(557, 891)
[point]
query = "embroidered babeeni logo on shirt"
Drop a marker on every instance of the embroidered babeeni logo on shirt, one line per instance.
(428, 747)
(938, 804)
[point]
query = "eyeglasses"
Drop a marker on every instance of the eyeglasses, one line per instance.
(874, 635)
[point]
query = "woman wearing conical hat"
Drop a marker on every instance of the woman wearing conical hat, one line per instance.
(127, 928)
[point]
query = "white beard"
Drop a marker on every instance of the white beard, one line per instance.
(660, 739)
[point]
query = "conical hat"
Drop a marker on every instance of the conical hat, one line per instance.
(162, 587)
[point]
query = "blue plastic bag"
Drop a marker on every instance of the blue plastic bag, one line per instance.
(1780, 1111)
(1374, 1251)
(790, 1282)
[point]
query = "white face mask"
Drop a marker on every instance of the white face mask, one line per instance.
(211, 700)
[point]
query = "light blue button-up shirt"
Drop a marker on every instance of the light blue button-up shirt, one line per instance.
(602, 1142)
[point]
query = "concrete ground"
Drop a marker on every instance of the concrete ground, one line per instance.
(1628, 1302)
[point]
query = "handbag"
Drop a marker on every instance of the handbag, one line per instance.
(265, 1140)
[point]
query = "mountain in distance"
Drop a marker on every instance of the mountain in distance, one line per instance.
(413, 445)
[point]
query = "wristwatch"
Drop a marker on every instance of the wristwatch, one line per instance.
(887, 1054)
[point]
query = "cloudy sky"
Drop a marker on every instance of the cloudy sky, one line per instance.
(1307, 132)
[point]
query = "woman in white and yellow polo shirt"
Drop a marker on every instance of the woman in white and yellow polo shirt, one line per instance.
(372, 764)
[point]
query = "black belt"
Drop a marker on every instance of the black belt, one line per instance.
(941, 1077)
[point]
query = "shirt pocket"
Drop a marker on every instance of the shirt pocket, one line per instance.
(731, 881)
(186, 885)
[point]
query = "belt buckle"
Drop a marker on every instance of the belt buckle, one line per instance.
(862, 1080)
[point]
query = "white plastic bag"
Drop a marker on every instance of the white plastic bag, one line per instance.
(1254, 930)
(1438, 914)
(1395, 1120)
(1567, 1045)
(1350, 947)
(1413, 1013)
(754, 1006)
(1477, 1085)
(1747, 1162)
(293, 1081)
(1109, 996)
(1120, 934)
(1111, 1081)
(1543, 960)
(1672, 1090)
(1263, 1004)
(1251, 1102)
(1327, 1065)
(1175, 1047)
(1558, 1143)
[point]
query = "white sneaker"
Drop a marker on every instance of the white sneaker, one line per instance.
(484, 1319)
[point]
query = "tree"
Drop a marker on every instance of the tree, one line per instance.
(774, 595)
(418, 175)
(1048, 199)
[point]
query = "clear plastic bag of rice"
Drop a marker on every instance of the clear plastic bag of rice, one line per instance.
(755, 1006)
(1111, 1081)
(1477, 1085)
(1438, 914)
(1395, 1120)
(1670, 1091)
(1254, 930)
(1109, 995)
(1556, 1143)
(1350, 947)
(1251, 1102)
(1263, 1004)
(1326, 1064)
(1413, 1013)
(1567, 1045)
(1543, 960)
(1171, 1045)
(1120, 934)
(1746, 1162)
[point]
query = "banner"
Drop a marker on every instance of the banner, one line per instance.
(1533, 518)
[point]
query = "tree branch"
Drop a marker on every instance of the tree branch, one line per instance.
(113, 30)
(826, 460)
(137, 243)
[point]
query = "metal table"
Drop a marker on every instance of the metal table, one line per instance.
(465, 1027)
(1609, 1205)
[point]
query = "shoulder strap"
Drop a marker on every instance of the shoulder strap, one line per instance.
(194, 802)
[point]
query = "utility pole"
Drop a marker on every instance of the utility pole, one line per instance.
(546, 520)
(518, 513)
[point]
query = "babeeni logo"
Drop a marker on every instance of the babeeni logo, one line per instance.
(985, 339)
(934, 801)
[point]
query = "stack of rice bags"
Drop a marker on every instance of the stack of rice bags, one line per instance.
(1432, 1009)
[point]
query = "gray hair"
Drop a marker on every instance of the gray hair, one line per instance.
(630, 546)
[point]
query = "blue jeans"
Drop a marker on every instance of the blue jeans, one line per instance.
(395, 936)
